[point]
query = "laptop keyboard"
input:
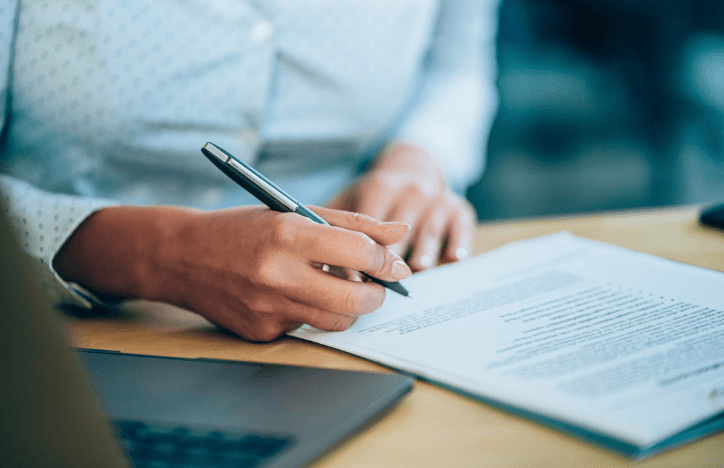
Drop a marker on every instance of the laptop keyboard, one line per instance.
(162, 446)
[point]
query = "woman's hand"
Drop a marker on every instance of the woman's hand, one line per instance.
(251, 270)
(407, 185)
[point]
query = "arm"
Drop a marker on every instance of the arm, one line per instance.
(438, 148)
(251, 270)
(254, 271)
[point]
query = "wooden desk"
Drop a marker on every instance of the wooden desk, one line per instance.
(434, 427)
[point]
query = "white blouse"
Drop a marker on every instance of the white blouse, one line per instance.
(109, 101)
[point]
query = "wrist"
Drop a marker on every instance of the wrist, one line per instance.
(122, 251)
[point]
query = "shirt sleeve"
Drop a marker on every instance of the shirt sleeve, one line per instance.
(44, 221)
(457, 99)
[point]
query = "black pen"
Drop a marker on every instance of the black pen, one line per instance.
(271, 195)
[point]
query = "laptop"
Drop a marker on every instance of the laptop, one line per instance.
(76, 408)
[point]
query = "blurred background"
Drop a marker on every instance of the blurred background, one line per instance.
(605, 104)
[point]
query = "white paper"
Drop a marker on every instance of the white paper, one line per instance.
(622, 343)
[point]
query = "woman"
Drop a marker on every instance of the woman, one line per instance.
(374, 108)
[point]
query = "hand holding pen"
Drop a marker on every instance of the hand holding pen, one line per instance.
(257, 272)
(251, 270)
(261, 269)
(276, 199)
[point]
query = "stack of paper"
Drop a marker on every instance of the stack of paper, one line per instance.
(622, 348)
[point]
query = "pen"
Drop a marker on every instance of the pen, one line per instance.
(271, 195)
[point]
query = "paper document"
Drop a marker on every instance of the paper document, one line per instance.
(610, 342)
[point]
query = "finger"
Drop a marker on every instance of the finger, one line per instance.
(460, 234)
(352, 250)
(428, 239)
(319, 243)
(318, 318)
(408, 211)
(381, 232)
(290, 315)
(330, 293)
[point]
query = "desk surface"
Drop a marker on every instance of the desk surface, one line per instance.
(436, 427)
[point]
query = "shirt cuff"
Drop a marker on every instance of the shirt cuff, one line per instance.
(44, 221)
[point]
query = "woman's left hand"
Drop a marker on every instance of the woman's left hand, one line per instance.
(408, 185)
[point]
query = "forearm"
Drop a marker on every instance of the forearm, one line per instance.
(121, 251)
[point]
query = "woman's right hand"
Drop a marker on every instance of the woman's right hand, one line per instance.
(253, 271)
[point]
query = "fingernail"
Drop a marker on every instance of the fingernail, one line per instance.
(461, 253)
(400, 270)
(426, 261)
(397, 227)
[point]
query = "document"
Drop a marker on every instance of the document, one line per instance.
(621, 348)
